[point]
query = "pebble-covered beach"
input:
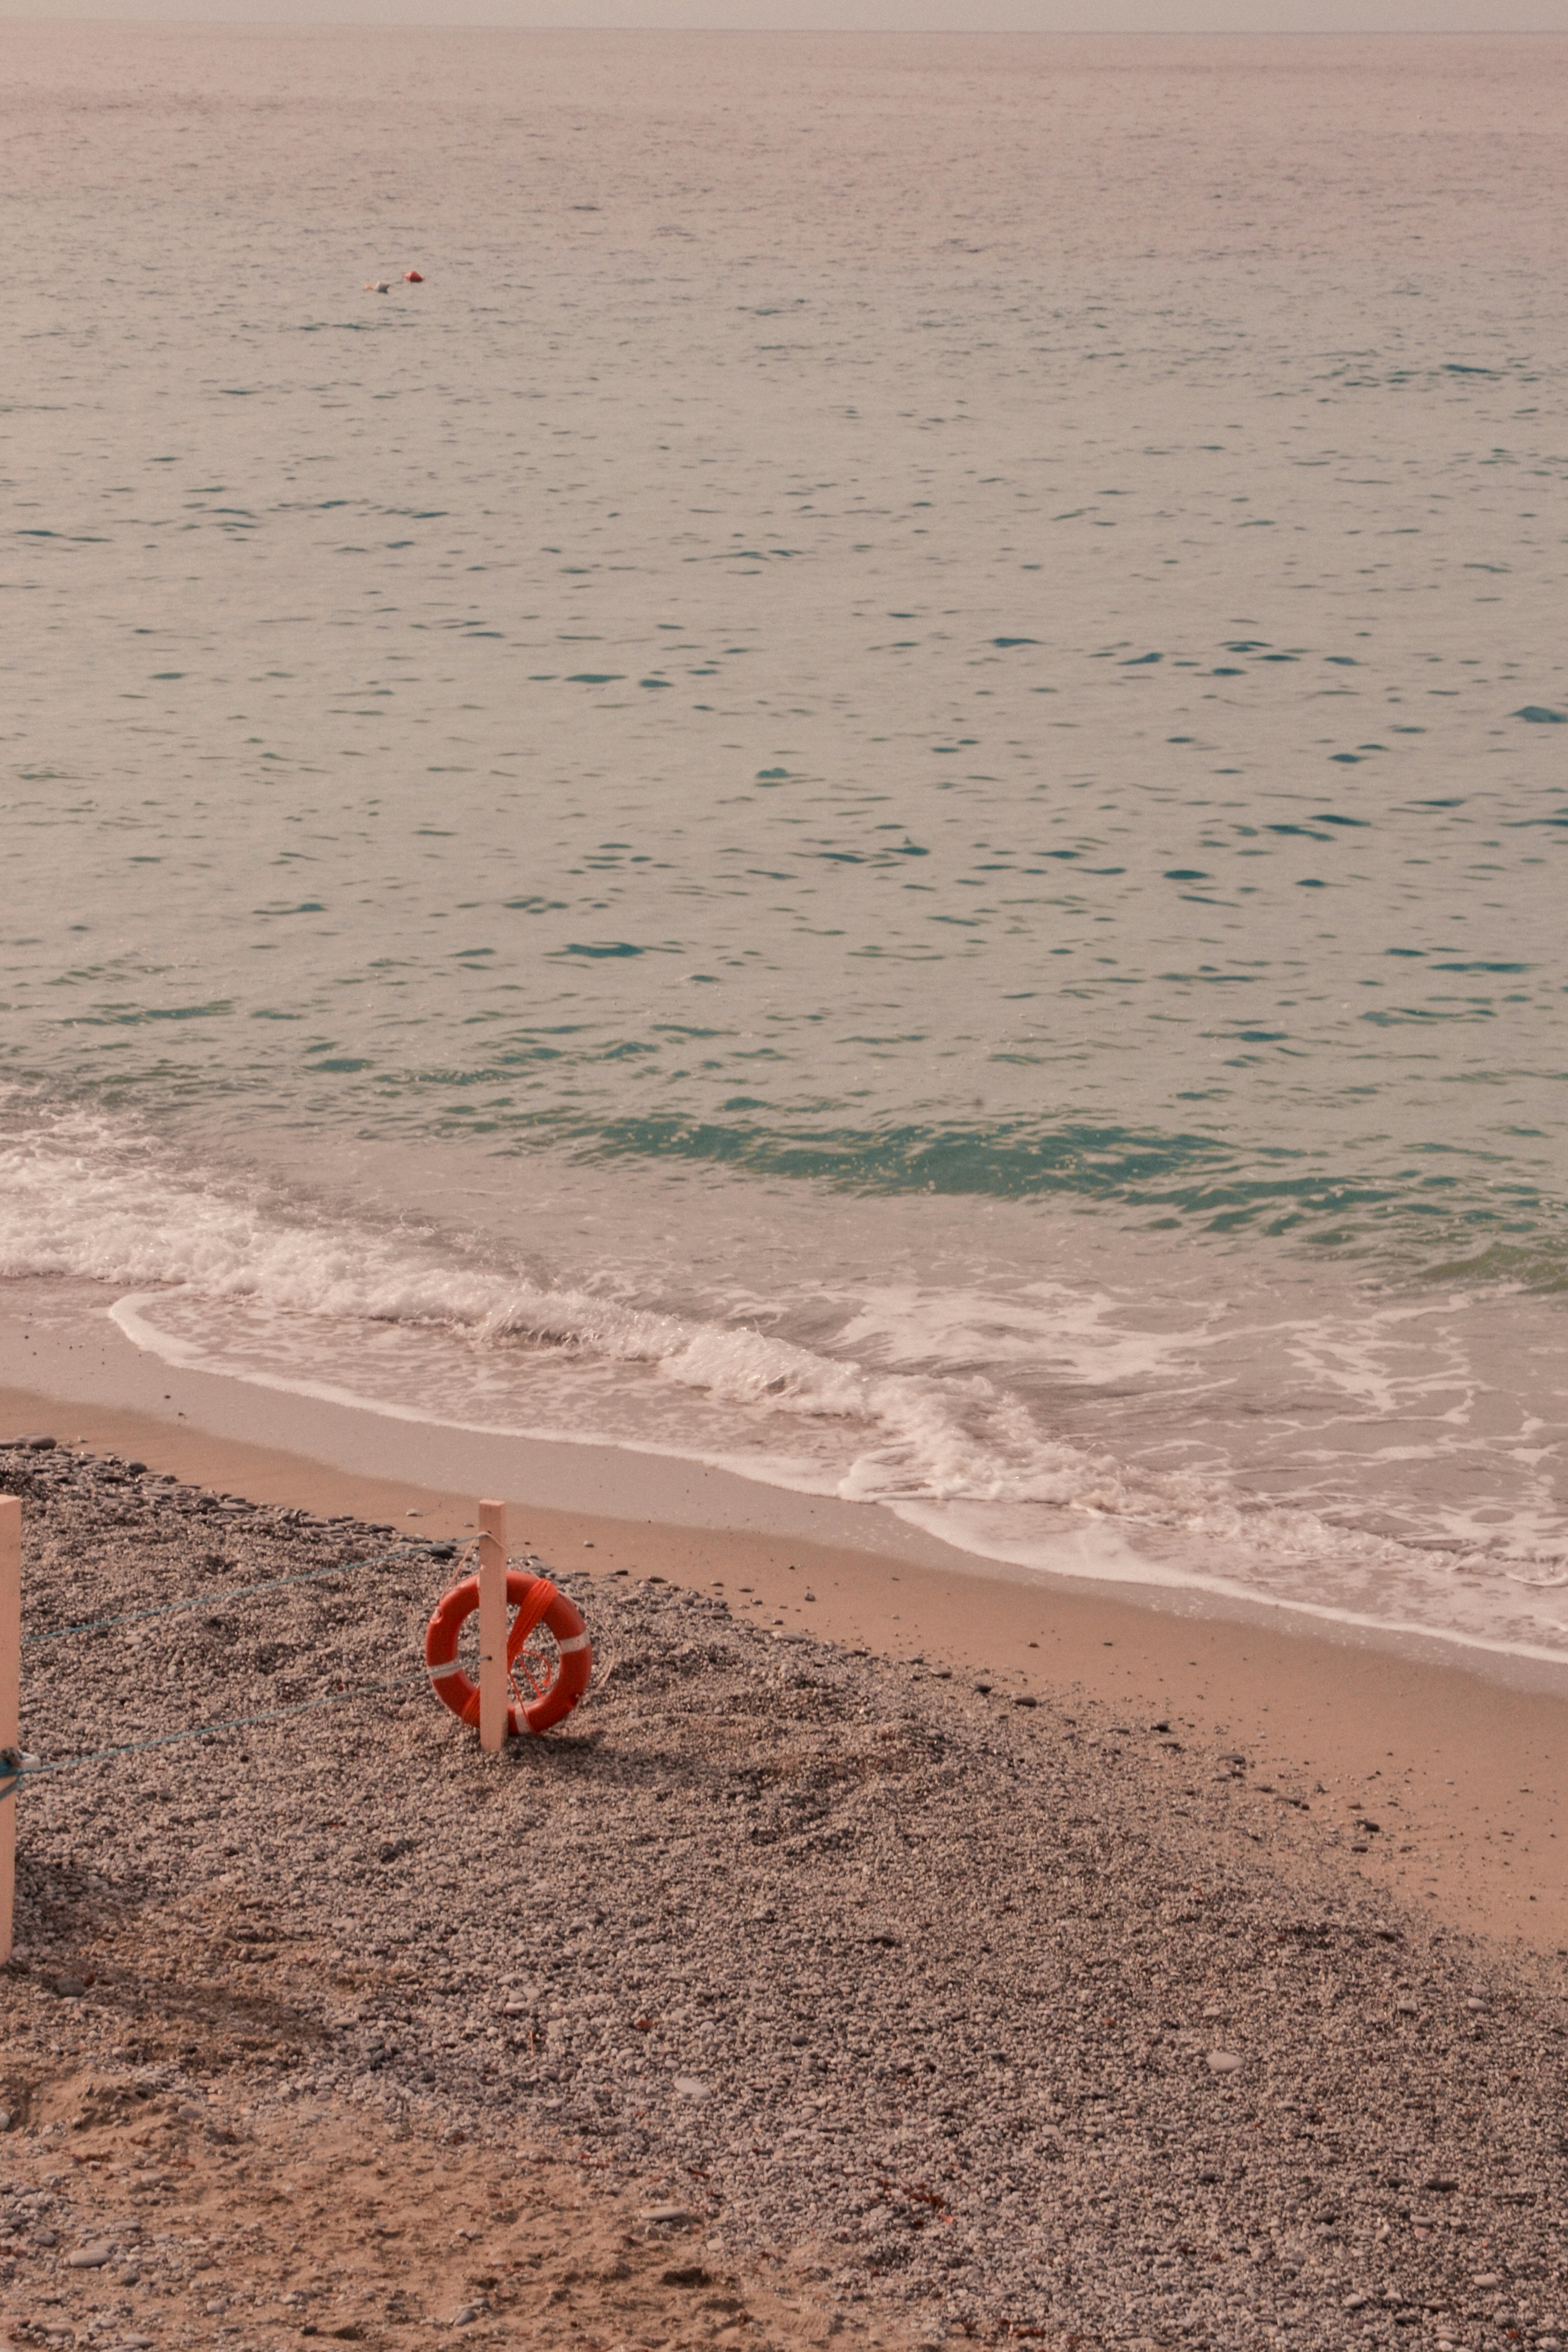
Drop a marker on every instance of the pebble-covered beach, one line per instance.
(960, 2015)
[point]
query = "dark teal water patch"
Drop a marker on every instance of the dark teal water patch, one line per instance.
(886, 852)
(1462, 1217)
(1405, 1015)
(1193, 1173)
(1425, 1220)
(1007, 1162)
(1540, 715)
(1525, 1266)
(133, 1016)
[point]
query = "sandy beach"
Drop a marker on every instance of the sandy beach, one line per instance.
(1172, 1980)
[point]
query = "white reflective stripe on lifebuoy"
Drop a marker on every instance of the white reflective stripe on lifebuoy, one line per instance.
(577, 1641)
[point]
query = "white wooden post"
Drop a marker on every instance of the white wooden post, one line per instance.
(493, 1624)
(10, 1700)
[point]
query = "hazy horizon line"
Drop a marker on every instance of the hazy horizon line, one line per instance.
(386, 17)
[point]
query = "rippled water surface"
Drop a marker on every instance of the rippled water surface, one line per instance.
(874, 791)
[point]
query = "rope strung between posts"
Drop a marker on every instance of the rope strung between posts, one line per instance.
(234, 1592)
(15, 1770)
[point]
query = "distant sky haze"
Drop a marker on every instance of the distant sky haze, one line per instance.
(846, 15)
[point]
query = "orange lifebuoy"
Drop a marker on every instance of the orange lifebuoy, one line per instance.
(555, 1682)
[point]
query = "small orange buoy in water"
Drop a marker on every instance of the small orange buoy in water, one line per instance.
(413, 278)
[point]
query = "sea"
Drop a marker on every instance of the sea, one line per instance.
(843, 755)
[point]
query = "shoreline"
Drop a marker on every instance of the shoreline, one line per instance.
(65, 1354)
(1458, 1751)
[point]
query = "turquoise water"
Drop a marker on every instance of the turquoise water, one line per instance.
(959, 793)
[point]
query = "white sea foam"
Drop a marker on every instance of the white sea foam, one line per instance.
(893, 1410)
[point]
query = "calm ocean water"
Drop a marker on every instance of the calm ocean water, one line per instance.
(876, 793)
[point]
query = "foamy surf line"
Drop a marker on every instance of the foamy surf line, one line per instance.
(1100, 1553)
(412, 1326)
(129, 1316)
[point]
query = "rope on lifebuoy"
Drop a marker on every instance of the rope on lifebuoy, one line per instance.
(549, 1687)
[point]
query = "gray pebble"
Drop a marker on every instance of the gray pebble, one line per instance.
(921, 1990)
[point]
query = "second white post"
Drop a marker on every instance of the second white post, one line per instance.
(494, 1694)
